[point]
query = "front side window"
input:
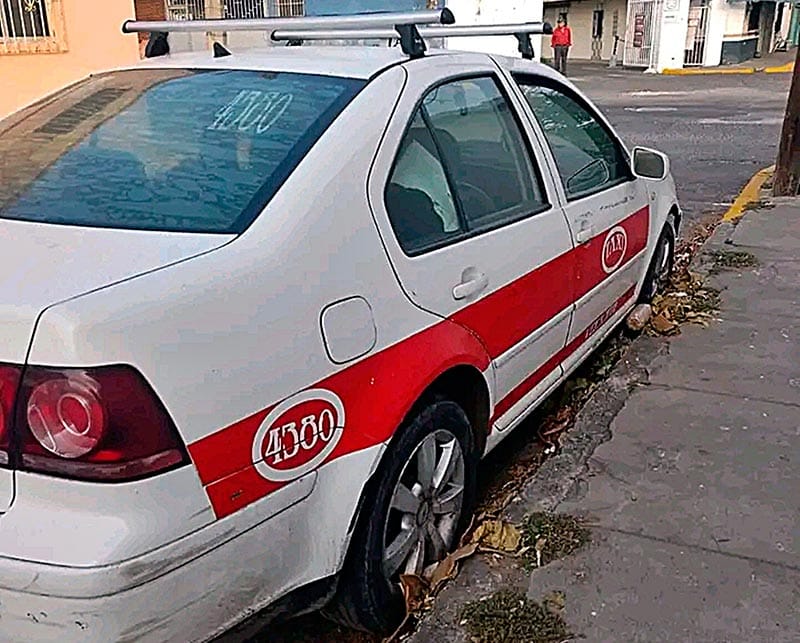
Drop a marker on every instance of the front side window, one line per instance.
(588, 158)
(462, 167)
(166, 150)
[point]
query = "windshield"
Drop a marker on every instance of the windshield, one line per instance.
(166, 150)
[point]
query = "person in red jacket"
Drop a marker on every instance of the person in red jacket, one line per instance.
(561, 41)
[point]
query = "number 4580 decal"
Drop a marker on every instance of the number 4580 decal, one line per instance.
(298, 435)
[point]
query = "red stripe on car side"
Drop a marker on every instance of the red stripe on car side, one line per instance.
(514, 311)
(379, 390)
(591, 272)
(511, 313)
(535, 378)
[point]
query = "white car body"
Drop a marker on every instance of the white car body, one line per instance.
(315, 303)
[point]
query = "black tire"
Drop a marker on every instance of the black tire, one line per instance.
(365, 599)
(659, 274)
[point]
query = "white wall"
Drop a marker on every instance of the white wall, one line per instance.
(471, 12)
(621, 7)
(579, 18)
(724, 18)
(734, 19)
(672, 44)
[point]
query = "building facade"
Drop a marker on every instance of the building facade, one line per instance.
(596, 25)
(47, 44)
(669, 34)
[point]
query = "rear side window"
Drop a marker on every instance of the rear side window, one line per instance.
(463, 168)
(166, 150)
(588, 157)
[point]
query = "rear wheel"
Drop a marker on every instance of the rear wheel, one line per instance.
(419, 504)
(660, 271)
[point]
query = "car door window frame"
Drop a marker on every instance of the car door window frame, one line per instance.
(521, 79)
(467, 232)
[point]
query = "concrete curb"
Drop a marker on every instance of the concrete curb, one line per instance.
(750, 194)
(788, 68)
(708, 72)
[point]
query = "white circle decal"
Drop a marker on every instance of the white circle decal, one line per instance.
(614, 248)
(298, 435)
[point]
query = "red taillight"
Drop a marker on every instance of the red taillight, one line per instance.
(66, 415)
(9, 381)
(94, 424)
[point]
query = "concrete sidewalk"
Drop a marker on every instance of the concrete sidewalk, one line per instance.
(685, 464)
(776, 63)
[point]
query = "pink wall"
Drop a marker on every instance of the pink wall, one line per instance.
(94, 42)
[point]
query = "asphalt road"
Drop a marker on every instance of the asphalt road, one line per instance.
(717, 130)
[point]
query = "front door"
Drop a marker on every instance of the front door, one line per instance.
(469, 223)
(607, 208)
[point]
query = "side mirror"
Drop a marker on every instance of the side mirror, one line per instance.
(650, 164)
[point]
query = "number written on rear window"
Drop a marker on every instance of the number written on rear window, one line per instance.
(174, 150)
(252, 109)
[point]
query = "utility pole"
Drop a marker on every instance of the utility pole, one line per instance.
(787, 168)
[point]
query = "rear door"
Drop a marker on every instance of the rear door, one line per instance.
(607, 208)
(469, 222)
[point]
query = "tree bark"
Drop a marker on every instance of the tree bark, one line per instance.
(787, 168)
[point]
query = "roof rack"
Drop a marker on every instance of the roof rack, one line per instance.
(400, 26)
(356, 21)
(521, 31)
(427, 32)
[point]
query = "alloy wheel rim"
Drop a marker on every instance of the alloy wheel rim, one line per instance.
(425, 506)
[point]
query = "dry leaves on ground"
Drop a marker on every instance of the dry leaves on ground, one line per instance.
(497, 535)
(688, 301)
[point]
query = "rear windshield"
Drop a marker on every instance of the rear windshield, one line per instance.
(168, 150)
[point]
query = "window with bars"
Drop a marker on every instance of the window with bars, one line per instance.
(29, 26)
(24, 19)
(199, 9)
(244, 9)
(186, 9)
(287, 8)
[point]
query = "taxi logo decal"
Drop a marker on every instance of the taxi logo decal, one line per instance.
(614, 248)
(298, 435)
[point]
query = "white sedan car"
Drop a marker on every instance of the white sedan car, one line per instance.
(263, 314)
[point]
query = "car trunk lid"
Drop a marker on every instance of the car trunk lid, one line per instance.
(43, 264)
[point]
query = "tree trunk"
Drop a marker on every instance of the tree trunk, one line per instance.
(787, 168)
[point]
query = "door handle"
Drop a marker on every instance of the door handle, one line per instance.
(584, 234)
(472, 282)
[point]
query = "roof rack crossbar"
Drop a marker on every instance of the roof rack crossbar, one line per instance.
(523, 29)
(356, 21)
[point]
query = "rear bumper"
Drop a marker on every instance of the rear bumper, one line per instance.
(197, 587)
(193, 601)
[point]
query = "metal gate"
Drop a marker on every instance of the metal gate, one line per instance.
(695, 52)
(642, 33)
